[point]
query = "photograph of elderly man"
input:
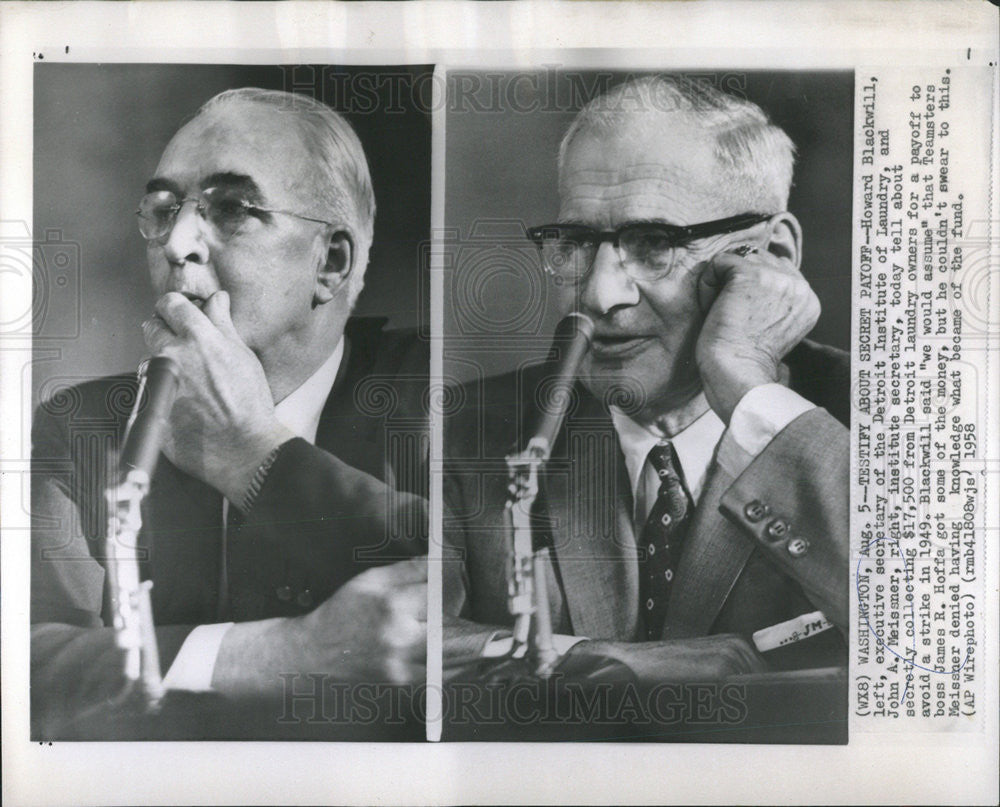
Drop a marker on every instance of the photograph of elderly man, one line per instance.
(658, 495)
(281, 537)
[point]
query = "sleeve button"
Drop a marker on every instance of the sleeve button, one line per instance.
(283, 593)
(305, 598)
(756, 510)
(797, 547)
(778, 528)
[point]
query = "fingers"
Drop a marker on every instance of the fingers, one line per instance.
(180, 314)
(721, 268)
(369, 631)
(400, 672)
(714, 275)
(402, 614)
(218, 310)
(178, 318)
(397, 601)
(410, 600)
(403, 635)
(157, 335)
(756, 268)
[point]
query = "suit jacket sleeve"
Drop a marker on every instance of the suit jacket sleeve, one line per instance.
(356, 499)
(793, 500)
(464, 638)
(316, 523)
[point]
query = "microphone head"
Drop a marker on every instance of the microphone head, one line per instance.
(575, 325)
(160, 365)
(147, 428)
(569, 346)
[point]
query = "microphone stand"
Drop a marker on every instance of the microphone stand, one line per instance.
(132, 610)
(527, 597)
(130, 598)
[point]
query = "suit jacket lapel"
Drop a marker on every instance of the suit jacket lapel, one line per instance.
(588, 499)
(343, 430)
(714, 554)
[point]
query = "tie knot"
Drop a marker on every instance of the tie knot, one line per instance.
(672, 493)
(661, 457)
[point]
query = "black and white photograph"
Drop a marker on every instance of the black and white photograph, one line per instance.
(229, 449)
(449, 402)
(646, 497)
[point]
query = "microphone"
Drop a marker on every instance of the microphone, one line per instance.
(132, 610)
(574, 334)
(145, 432)
(527, 598)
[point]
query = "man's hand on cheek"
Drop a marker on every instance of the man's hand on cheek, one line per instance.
(222, 425)
(757, 308)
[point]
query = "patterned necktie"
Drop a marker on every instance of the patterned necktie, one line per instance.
(662, 539)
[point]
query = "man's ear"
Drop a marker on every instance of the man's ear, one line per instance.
(335, 273)
(785, 239)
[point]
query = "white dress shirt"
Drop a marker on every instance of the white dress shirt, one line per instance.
(757, 419)
(299, 413)
(760, 415)
(695, 447)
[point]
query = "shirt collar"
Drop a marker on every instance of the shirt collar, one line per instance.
(695, 447)
(301, 410)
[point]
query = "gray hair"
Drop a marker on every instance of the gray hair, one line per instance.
(754, 157)
(346, 194)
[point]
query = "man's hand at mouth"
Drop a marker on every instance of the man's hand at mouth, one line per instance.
(222, 425)
(196, 300)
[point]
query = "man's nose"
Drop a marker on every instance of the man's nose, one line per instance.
(186, 240)
(607, 286)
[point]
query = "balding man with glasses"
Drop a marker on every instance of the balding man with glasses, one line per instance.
(277, 503)
(696, 502)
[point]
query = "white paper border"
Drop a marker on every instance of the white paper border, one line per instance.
(914, 768)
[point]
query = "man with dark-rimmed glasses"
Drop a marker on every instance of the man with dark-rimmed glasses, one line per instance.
(277, 502)
(696, 503)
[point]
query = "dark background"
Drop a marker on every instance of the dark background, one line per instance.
(99, 131)
(501, 177)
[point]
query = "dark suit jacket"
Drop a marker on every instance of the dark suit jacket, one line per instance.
(733, 576)
(326, 512)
